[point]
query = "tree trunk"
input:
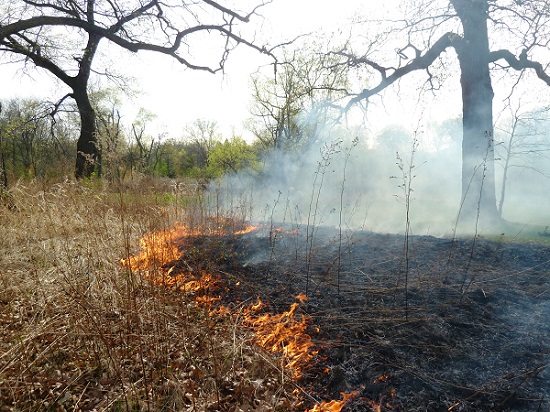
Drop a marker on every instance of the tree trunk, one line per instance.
(3, 171)
(478, 206)
(505, 171)
(86, 147)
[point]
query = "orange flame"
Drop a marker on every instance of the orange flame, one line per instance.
(285, 334)
(160, 261)
(160, 247)
(157, 249)
(334, 405)
(246, 230)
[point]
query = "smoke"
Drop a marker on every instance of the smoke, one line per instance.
(354, 179)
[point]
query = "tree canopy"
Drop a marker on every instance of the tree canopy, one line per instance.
(63, 37)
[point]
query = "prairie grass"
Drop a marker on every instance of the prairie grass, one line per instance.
(80, 332)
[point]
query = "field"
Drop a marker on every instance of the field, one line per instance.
(80, 331)
(151, 297)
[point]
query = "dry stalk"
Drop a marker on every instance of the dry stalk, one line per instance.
(81, 332)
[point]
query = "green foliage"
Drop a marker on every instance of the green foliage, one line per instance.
(31, 143)
(231, 156)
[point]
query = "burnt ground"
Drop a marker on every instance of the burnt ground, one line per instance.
(444, 324)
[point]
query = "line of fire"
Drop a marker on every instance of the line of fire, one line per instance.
(353, 331)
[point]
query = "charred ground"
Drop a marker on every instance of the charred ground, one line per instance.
(430, 324)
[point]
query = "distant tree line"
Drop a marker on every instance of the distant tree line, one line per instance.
(36, 143)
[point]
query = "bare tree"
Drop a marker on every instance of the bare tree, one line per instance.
(110, 135)
(26, 139)
(287, 107)
(202, 135)
(486, 35)
(523, 140)
(63, 37)
(147, 146)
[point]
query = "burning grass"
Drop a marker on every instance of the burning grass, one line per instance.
(91, 321)
(79, 331)
(164, 260)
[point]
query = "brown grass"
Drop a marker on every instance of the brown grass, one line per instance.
(81, 332)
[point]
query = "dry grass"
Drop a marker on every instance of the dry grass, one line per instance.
(80, 332)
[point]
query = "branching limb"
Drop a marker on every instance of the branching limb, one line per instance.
(133, 46)
(520, 64)
(243, 18)
(420, 62)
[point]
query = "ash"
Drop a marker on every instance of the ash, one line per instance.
(430, 324)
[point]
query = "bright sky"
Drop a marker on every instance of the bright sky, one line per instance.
(178, 96)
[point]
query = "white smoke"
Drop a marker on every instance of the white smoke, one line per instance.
(351, 179)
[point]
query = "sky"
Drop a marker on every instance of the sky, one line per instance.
(178, 96)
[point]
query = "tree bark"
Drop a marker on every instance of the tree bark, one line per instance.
(86, 147)
(87, 150)
(478, 203)
(3, 171)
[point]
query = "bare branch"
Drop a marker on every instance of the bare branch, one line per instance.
(232, 13)
(421, 62)
(520, 64)
(38, 59)
(133, 46)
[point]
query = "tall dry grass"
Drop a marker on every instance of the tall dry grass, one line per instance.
(81, 332)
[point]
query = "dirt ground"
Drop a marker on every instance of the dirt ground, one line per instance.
(427, 324)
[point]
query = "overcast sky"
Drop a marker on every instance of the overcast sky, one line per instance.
(178, 96)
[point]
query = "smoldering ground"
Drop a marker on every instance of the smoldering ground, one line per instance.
(449, 323)
(455, 325)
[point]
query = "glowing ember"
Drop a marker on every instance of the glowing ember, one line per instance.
(334, 405)
(381, 378)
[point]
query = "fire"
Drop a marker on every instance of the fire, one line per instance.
(334, 405)
(160, 261)
(157, 249)
(246, 230)
(161, 247)
(381, 378)
(285, 334)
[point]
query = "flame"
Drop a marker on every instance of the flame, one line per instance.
(285, 334)
(246, 230)
(157, 249)
(334, 405)
(160, 247)
(160, 260)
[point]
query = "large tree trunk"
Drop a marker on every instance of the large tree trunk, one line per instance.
(478, 207)
(87, 150)
(3, 171)
(86, 146)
